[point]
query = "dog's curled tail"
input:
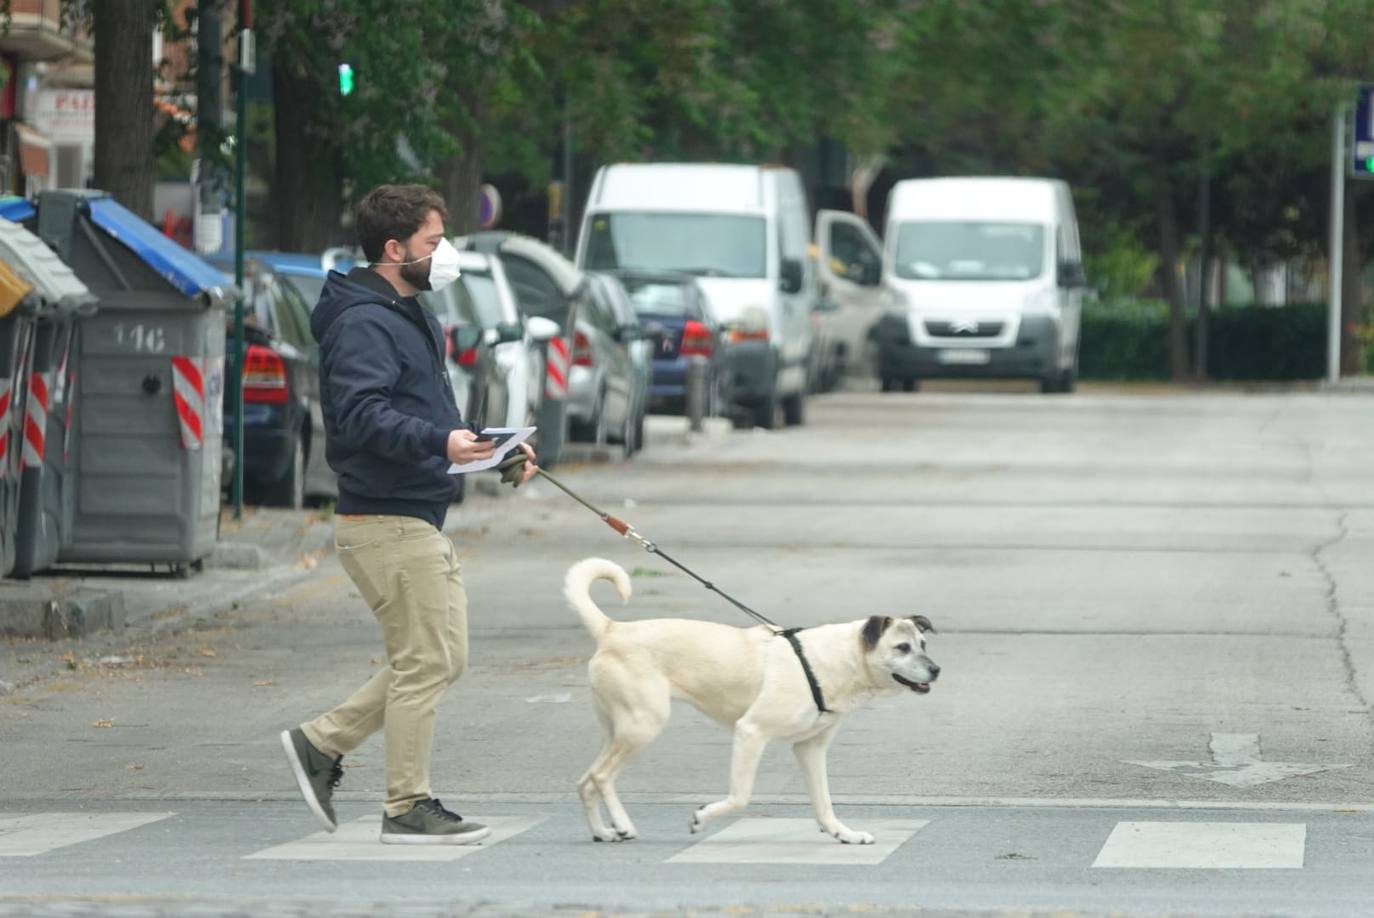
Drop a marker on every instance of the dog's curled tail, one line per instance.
(577, 589)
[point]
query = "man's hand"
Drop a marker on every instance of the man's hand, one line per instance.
(463, 446)
(530, 468)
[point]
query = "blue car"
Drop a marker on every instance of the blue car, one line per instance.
(306, 271)
(676, 316)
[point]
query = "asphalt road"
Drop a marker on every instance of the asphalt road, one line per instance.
(1156, 634)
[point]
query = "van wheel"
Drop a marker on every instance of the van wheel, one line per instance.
(890, 383)
(289, 490)
(910, 384)
(794, 409)
(1061, 383)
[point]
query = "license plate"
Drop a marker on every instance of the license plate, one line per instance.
(964, 355)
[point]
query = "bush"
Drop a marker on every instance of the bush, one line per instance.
(1130, 340)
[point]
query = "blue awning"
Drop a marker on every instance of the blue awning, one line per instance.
(184, 270)
(16, 210)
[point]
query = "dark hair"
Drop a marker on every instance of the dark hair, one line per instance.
(394, 212)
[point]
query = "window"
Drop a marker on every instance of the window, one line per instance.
(485, 298)
(948, 250)
(289, 325)
(534, 290)
(709, 245)
(852, 255)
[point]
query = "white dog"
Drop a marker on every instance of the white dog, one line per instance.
(750, 679)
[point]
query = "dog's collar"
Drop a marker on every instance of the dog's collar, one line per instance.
(816, 694)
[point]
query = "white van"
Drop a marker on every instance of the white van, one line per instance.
(990, 274)
(744, 232)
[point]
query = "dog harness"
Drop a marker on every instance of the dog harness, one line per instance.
(816, 694)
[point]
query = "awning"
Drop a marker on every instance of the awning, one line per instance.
(183, 269)
(33, 150)
(32, 260)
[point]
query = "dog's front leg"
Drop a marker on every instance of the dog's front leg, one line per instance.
(811, 756)
(744, 764)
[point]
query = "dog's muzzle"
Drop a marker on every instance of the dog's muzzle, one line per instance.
(920, 688)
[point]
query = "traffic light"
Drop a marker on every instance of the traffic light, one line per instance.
(345, 79)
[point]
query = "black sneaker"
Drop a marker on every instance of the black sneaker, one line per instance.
(316, 775)
(428, 823)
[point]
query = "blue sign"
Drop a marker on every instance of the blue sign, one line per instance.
(1362, 146)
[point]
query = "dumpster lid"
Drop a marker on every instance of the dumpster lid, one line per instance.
(13, 289)
(31, 258)
(184, 270)
(16, 208)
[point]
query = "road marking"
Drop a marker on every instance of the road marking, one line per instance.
(39, 833)
(360, 840)
(1205, 845)
(759, 840)
(1236, 761)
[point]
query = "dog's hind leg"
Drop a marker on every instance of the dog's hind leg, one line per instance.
(744, 765)
(591, 801)
(634, 718)
(811, 756)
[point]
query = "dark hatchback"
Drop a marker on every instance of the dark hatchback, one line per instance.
(283, 425)
(676, 316)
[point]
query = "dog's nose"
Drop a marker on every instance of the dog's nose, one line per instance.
(934, 672)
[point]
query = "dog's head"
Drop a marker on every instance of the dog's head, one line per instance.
(895, 649)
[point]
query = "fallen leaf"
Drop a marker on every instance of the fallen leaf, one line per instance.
(135, 767)
(263, 682)
(206, 652)
(103, 723)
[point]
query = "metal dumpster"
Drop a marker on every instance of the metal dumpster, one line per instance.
(149, 382)
(43, 407)
(18, 304)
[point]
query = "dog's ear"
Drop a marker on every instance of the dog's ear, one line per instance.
(924, 624)
(874, 628)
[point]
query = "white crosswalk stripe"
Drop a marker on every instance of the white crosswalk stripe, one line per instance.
(796, 841)
(39, 833)
(1205, 845)
(359, 840)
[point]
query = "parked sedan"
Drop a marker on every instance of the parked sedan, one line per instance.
(677, 319)
(305, 271)
(605, 394)
(607, 289)
(283, 425)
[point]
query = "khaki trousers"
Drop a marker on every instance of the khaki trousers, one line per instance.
(408, 573)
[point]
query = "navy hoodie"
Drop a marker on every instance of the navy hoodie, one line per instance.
(388, 405)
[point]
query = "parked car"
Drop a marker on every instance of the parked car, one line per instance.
(546, 285)
(611, 303)
(988, 273)
(745, 233)
(853, 297)
(283, 425)
(679, 324)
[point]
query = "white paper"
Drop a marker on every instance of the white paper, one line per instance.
(507, 439)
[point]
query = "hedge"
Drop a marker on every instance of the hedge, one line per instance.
(1130, 340)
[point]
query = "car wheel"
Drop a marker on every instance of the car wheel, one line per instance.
(289, 490)
(891, 384)
(794, 409)
(767, 410)
(910, 384)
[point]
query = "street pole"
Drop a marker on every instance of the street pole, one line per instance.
(240, 167)
(1336, 251)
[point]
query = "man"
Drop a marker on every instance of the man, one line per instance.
(392, 429)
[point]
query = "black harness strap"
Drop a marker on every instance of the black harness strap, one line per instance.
(816, 695)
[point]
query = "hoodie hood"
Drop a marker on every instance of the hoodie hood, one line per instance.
(342, 291)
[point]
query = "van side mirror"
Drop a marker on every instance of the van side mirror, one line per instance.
(790, 275)
(1072, 275)
(542, 329)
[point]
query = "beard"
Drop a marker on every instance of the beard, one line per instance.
(417, 274)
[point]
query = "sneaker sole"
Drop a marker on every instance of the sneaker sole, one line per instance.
(303, 783)
(408, 838)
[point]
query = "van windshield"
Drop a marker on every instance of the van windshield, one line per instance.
(708, 245)
(948, 250)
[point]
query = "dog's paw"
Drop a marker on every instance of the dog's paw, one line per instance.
(854, 838)
(697, 823)
(626, 834)
(605, 835)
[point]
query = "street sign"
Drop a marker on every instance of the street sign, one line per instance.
(1362, 147)
(489, 206)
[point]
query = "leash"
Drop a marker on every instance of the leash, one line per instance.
(511, 471)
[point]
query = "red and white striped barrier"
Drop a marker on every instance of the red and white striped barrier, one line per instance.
(188, 393)
(35, 423)
(556, 374)
(6, 387)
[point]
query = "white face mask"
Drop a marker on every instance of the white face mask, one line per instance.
(443, 265)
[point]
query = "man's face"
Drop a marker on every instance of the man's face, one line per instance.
(419, 247)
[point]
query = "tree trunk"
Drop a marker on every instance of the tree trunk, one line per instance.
(306, 189)
(1352, 289)
(462, 177)
(1169, 282)
(124, 126)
